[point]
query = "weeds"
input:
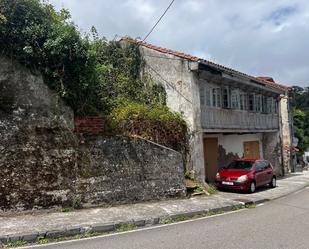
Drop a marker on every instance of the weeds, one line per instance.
(124, 227)
(251, 205)
(16, 243)
(212, 190)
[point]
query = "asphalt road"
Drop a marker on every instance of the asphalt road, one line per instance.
(283, 223)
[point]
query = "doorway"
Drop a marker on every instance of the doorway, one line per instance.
(252, 149)
(211, 158)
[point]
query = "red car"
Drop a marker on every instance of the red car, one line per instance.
(246, 174)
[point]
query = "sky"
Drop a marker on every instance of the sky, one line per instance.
(257, 37)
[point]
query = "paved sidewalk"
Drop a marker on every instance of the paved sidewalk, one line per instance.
(30, 226)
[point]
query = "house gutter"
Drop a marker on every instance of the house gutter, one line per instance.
(230, 75)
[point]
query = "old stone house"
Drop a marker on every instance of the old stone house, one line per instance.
(230, 114)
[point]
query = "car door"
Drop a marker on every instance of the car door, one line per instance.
(268, 172)
(260, 174)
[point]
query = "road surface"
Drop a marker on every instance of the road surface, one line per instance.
(283, 223)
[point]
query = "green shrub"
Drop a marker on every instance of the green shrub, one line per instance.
(156, 123)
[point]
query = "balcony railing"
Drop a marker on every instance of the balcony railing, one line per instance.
(216, 118)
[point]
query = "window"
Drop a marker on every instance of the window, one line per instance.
(260, 165)
(269, 104)
(267, 165)
(275, 106)
(235, 99)
(264, 104)
(216, 97)
(202, 95)
(251, 102)
(226, 97)
(258, 103)
(272, 105)
(207, 96)
(240, 164)
(243, 101)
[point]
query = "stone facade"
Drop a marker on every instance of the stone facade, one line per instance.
(43, 163)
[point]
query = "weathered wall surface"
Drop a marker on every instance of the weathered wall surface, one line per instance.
(44, 164)
(231, 147)
(122, 170)
(272, 150)
(286, 133)
(183, 96)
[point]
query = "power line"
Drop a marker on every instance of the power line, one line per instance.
(159, 20)
(170, 84)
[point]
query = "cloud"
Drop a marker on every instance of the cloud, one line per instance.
(256, 37)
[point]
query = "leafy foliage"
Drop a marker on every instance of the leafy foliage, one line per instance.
(301, 116)
(94, 76)
(155, 123)
(32, 32)
(121, 75)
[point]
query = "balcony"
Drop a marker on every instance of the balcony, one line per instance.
(220, 120)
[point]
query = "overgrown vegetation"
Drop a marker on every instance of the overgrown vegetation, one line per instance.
(154, 122)
(301, 116)
(124, 227)
(212, 190)
(94, 76)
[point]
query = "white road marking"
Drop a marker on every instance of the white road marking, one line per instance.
(132, 231)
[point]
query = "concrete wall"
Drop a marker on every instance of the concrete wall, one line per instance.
(231, 147)
(286, 132)
(183, 96)
(44, 164)
(273, 150)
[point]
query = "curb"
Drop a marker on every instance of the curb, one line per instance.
(112, 227)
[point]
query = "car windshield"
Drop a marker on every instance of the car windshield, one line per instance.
(241, 165)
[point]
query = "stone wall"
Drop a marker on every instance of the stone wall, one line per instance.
(122, 170)
(44, 164)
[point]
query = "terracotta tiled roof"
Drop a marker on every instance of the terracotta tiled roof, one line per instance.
(271, 81)
(263, 80)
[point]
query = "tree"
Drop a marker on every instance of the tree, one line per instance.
(43, 39)
(301, 116)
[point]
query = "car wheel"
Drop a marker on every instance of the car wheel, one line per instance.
(273, 182)
(252, 187)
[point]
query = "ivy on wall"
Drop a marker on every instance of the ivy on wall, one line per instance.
(94, 76)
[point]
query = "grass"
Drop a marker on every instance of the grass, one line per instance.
(16, 243)
(169, 220)
(67, 209)
(42, 240)
(124, 227)
(251, 205)
(212, 190)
